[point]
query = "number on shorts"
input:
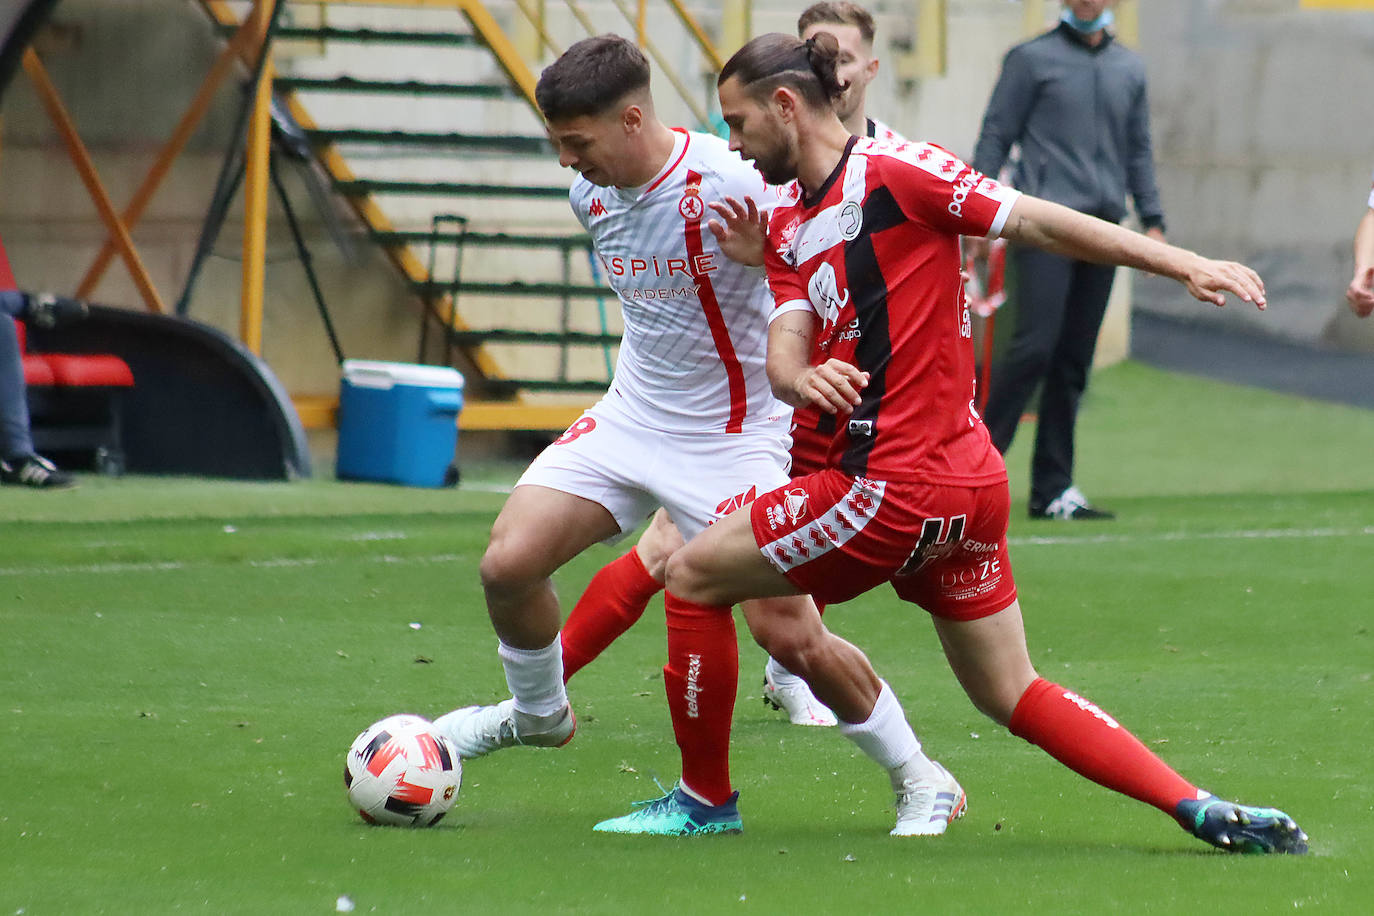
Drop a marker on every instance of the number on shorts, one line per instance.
(938, 536)
(583, 425)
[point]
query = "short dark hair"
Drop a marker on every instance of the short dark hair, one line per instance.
(590, 77)
(775, 59)
(837, 12)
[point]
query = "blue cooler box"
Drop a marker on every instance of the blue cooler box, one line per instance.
(398, 423)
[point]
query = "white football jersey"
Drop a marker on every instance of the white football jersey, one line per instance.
(696, 323)
(1371, 197)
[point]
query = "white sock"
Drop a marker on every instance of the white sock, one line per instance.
(885, 736)
(779, 674)
(535, 678)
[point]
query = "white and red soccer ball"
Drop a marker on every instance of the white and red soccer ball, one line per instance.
(401, 772)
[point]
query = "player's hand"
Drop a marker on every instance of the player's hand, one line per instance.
(741, 230)
(1210, 281)
(1360, 293)
(833, 386)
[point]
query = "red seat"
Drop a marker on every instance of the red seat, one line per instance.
(37, 372)
(89, 370)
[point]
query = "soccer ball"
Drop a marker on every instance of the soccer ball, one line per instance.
(401, 772)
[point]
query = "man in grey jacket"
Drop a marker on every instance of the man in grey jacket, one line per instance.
(1075, 101)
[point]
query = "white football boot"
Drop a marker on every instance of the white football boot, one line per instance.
(479, 730)
(926, 805)
(790, 694)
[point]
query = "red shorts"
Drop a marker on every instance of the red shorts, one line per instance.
(942, 547)
(809, 450)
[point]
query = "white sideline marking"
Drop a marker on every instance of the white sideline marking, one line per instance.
(1258, 534)
(265, 563)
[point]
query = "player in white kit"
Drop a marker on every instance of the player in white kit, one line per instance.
(689, 424)
(621, 590)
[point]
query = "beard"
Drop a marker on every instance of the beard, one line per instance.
(776, 164)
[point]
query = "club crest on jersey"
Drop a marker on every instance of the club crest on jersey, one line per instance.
(824, 291)
(786, 236)
(794, 504)
(850, 220)
(691, 206)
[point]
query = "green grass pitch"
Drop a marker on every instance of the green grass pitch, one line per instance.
(183, 664)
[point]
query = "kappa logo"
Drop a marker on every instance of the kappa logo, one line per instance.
(597, 208)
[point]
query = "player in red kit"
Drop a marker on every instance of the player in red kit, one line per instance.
(871, 325)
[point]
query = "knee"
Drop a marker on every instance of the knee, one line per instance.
(686, 577)
(997, 699)
(507, 568)
(659, 542)
(792, 641)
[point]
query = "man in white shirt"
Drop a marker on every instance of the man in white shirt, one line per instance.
(620, 591)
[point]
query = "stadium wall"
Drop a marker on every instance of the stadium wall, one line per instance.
(1261, 131)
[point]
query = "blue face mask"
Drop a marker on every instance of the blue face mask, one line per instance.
(1087, 26)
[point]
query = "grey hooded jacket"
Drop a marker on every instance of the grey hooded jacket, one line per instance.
(1082, 118)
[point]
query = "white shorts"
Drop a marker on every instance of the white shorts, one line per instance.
(632, 470)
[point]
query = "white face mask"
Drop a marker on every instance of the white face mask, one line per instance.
(1087, 26)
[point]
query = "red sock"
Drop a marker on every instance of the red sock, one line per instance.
(1091, 743)
(614, 600)
(700, 678)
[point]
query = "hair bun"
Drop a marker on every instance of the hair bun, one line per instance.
(823, 54)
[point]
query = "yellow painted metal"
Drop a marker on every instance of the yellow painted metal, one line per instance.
(509, 59)
(195, 113)
(1337, 4)
(536, 14)
(930, 55)
(496, 415)
(641, 22)
(81, 158)
(257, 156)
(1127, 28)
(665, 68)
(317, 411)
(699, 34)
(736, 26)
(322, 412)
(399, 254)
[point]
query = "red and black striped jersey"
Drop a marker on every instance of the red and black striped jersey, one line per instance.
(875, 254)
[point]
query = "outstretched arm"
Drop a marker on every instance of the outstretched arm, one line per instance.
(1360, 293)
(1060, 230)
